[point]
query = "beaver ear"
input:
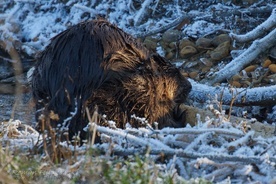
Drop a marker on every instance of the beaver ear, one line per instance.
(157, 63)
(159, 59)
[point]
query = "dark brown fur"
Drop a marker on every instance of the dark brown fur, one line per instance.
(96, 63)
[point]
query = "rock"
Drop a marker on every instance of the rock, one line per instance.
(187, 51)
(205, 69)
(172, 45)
(150, 43)
(185, 74)
(221, 51)
(250, 68)
(266, 63)
(193, 75)
(203, 43)
(236, 77)
(170, 55)
(220, 39)
(236, 84)
(185, 42)
(171, 36)
(272, 68)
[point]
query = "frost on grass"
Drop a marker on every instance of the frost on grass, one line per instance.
(215, 150)
(17, 135)
(34, 23)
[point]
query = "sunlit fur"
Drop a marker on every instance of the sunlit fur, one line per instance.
(96, 63)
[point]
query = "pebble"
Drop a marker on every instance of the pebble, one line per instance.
(187, 51)
(172, 45)
(170, 55)
(272, 68)
(150, 43)
(236, 77)
(236, 84)
(185, 42)
(221, 51)
(216, 41)
(203, 43)
(193, 75)
(266, 63)
(250, 68)
(171, 36)
(206, 69)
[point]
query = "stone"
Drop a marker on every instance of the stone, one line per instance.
(193, 75)
(250, 68)
(187, 51)
(266, 63)
(203, 43)
(272, 68)
(171, 36)
(185, 42)
(221, 51)
(216, 41)
(150, 43)
(170, 55)
(236, 77)
(236, 84)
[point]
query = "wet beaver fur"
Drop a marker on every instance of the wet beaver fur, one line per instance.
(95, 63)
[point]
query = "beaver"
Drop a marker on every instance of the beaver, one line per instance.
(96, 64)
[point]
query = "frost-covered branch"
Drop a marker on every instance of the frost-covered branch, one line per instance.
(261, 96)
(132, 138)
(259, 30)
(191, 155)
(192, 131)
(142, 12)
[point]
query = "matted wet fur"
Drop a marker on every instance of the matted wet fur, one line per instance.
(97, 64)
